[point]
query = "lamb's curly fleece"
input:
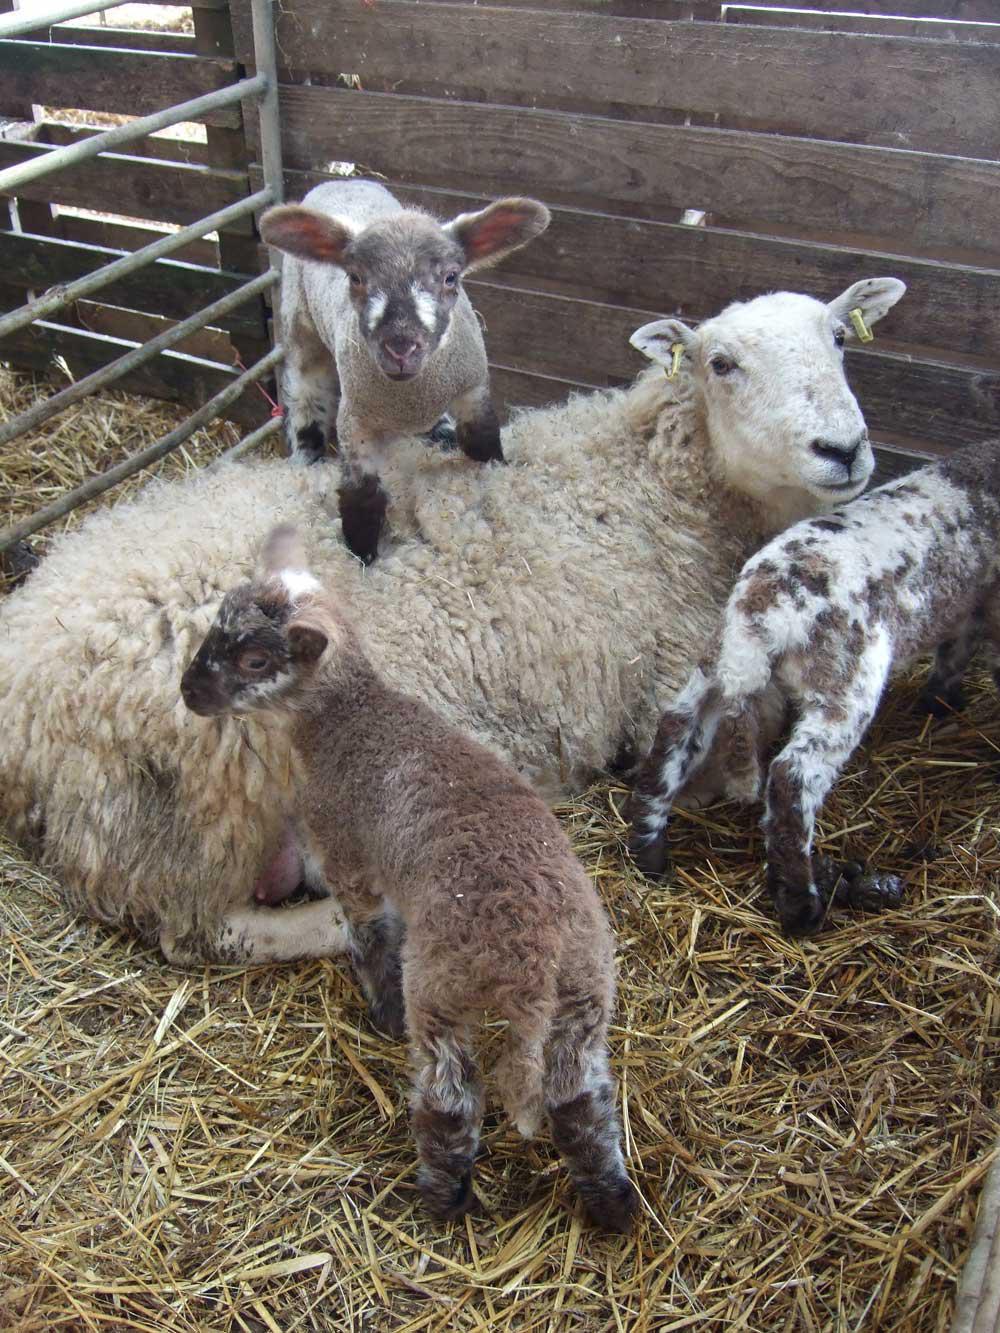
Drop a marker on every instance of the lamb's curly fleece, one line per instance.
(548, 608)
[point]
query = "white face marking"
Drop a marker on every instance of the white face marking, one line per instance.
(425, 306)
(298, 582)
(375, 309)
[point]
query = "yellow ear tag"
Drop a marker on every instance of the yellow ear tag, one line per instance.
(676, 351)
(864, 333)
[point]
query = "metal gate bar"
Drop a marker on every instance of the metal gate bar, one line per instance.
(262, 88)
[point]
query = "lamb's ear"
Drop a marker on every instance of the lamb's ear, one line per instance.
(874, 297)
(305, 233)
(657, 340)
(495, 232)
(307, 642)
(281, 549)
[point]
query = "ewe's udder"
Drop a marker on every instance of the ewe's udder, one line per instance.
(283, 874)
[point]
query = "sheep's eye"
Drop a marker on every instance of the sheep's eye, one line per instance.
(838, 337)
(253, 662)
(721, 365)
(451, 279)
(354, 279)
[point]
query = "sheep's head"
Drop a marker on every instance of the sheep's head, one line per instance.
(404, 271)
(267, 638)
(783, 424)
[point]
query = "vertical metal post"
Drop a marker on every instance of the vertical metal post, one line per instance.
(265, 55)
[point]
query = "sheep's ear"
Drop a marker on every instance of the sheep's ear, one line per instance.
(305, 233)
(495, 232)
(282, 549)
(874, 297)
(307, 642)
(657, 340)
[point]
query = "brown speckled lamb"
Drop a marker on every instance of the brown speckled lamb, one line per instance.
(434, 839)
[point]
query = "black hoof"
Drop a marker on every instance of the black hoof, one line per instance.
(652, 858)
(612, 1209)
(389, 1015)
(800, 914)
(17, 562)
(448, 1200)
(941, 703)
(443, 434)
(362, 515)
(310, 444)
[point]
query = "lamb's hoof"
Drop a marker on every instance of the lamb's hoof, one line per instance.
(801, 914)
(448, 1200)
(941, 703)
(389, 1015)
(17, 562)
(652, 858)
(310, 445)
(614, 1208)
(443, 434)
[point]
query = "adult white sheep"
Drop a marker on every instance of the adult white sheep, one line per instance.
(549, 608)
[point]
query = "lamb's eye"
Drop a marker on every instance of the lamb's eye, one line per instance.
(451, 279)
(253, 662)
(721, 365)
(355, 279)
(838, 337)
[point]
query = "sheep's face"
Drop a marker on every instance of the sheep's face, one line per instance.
(404, 272)
(255, 655)
(404, 276)
(779, 409)
(783, 424)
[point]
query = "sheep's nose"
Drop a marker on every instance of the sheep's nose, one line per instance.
(837, 451)
(399, 349)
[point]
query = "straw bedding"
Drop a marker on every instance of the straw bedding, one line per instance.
(809, 1123)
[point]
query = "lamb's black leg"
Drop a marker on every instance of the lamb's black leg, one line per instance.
(363, 503)
(478, 427)
(375, 953)
(943, 695)
(683, 741)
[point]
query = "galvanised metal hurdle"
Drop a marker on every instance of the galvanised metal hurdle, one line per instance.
(262, 88)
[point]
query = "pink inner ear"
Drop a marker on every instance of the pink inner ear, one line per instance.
(493, 233)
(308, 235)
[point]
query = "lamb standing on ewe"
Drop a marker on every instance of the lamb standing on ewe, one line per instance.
(824, 613)
(549, 609)
(427, 832)
(373, 297)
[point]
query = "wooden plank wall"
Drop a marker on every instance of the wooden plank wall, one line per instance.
(822, 147)
(138, 194)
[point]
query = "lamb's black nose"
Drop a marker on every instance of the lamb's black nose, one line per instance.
(838, 451)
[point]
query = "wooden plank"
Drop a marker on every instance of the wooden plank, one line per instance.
(171, 375)
(828, 85)
(941, 30)
(128, 39)
(134, 187)
(136, 326)
(168, 287)
(153, 145)
(973, 11)
(694, 271)
(121, 236)
(93, 78)
(751, 181)
(583, 340)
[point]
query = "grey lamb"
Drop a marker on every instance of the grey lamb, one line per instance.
(373, 297)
